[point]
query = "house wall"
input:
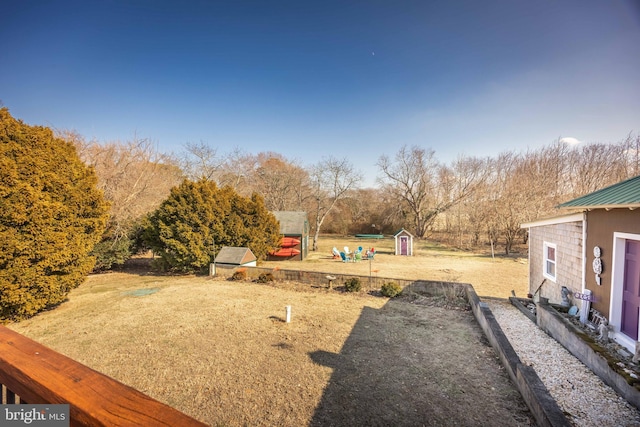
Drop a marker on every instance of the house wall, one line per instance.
(601, 224)
(568, 240)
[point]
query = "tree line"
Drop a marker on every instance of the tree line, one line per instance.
(69, 206)
(470, 202)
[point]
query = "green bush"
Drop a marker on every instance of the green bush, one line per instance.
(109, 252)
(239, 275)
(51, 216)
(353, 285)
(265, 278)
(198, 218)
(391, 289)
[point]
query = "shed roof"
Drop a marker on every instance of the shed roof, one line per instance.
(625, 194)
(292, 222)
(235, 255)
(402, 231)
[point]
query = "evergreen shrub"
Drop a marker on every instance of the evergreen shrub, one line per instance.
(239, 275)
(391, 289)
(265, 278)
(352, 285)
(51, 216)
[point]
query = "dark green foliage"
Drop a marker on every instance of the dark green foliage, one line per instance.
(265, 278)
(109, 252)
(239, 275)
(182, 231)
(391, 289)
(116, 247)
(51, 216)
(352, 285)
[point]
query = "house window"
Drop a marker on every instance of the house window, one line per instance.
(549, 257)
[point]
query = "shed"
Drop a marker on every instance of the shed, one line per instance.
(403, 242)
(294, 228)
(230, 256)
(595, 254)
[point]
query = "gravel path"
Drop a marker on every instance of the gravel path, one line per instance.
(580, 393)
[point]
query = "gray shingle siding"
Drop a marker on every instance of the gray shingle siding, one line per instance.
(569, 258)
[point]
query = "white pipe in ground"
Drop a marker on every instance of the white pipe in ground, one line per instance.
(288, 309)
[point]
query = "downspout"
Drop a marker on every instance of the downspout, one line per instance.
(530, 295)
(584, 251)
(585, 306)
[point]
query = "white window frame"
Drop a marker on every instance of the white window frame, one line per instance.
(546, 260)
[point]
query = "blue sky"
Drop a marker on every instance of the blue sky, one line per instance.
(313, 79)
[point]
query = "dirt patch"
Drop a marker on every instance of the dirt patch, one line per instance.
(221, 352)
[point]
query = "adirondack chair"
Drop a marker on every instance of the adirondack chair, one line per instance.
(371, 253)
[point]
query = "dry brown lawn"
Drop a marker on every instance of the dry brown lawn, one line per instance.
(221, 351)
(494, 276)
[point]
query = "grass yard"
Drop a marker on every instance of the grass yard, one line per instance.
(221, 352)
(490, 276)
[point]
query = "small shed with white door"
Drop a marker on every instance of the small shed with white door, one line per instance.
(235, 257)
(403, 242)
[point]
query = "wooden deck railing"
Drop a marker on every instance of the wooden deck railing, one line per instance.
(39, 375)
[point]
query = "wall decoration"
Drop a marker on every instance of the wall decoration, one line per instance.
(597, 264)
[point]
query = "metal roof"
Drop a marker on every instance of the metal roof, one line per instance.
(625, 194)
(292, 223)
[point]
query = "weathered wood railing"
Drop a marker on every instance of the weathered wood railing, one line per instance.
(39, 375)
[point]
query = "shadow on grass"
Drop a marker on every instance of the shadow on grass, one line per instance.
(407, 364)
(359, 392)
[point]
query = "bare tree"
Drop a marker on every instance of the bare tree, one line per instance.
(237, 171)
(520, 191)
(331, 179)
(424, 186)
(631, 155)
(411, 177)
(200, 161)
(463, 182)
(134, 176)
(283, 185)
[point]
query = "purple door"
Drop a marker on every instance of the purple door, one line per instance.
(404, 245)
(631, 289)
